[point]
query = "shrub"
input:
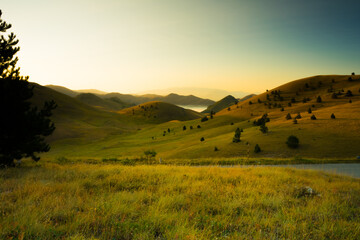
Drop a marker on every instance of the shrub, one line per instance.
(202, 139)
(332, 116)
(216, 149)
(257, 148)
(184, 128)
(288, 116)
(198, 126)
(292, 142)
(298, 116)
(313, 117)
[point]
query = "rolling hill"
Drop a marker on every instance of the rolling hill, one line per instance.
(222, 104)
(160, 112)
(111, 104)
(323, 138)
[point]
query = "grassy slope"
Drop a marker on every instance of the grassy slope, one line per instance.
(221, 104)
(323, 138)
(146, 202)
(159, 112)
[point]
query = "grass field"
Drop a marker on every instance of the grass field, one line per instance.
(86, 201)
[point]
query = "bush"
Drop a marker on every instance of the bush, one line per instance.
(292, 142)
(216, 149)
(257, 149)
(198, 126)
(202, 139)
(313, 117)
(184, 128)
(332, 116)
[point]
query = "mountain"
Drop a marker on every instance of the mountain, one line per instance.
(94, 91)
(160, 112)
(207, 93)
(63, 90)
(184, 100)
(222, 104)
(112, 104)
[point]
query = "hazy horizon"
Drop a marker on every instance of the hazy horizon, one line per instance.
(142, 45)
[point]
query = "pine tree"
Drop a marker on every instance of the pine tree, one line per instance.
(332, 116)
(257, 148)
(237, 135)
(22, 126)
(263, 128)
(288, 116)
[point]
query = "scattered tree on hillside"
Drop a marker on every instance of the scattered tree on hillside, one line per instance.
(350, 79)
(184, 128)
(191, 127)
(259, 101)
(231, 123)
(332, 116)
(292, 142)
(298, 116)
(350, 101)
(229, 108)
(264, 119)
(263, 128)
(295, 121)
(306, 85)
(288, 116)
(334, 96)
(282, 109)
(168, 130)
(257, 148)
(318, 99)
(353, 73)
(216, 149)
(293, 100)
(237, 135)
(250, 102)
(289, 104)
(198, 126)
(149, 154)
(313, 117)
(23, 126)
(309, 110)
(202, 139)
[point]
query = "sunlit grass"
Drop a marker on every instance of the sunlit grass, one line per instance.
(83, 201)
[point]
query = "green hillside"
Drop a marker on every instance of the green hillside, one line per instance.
(222, 104)
(159, 112)
(321, 138)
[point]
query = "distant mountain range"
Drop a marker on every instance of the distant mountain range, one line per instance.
(129, 99)
(209, 93)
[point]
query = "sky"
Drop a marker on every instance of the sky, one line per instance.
(140, 45)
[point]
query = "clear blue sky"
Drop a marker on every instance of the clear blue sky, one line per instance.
(139, 45)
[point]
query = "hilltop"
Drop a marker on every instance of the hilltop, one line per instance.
(222, 104)
(160, 112)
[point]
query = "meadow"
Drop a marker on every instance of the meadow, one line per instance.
(111, 201)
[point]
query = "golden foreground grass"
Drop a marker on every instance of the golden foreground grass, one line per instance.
(84, 201)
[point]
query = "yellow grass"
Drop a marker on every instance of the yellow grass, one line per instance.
(83, 201)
